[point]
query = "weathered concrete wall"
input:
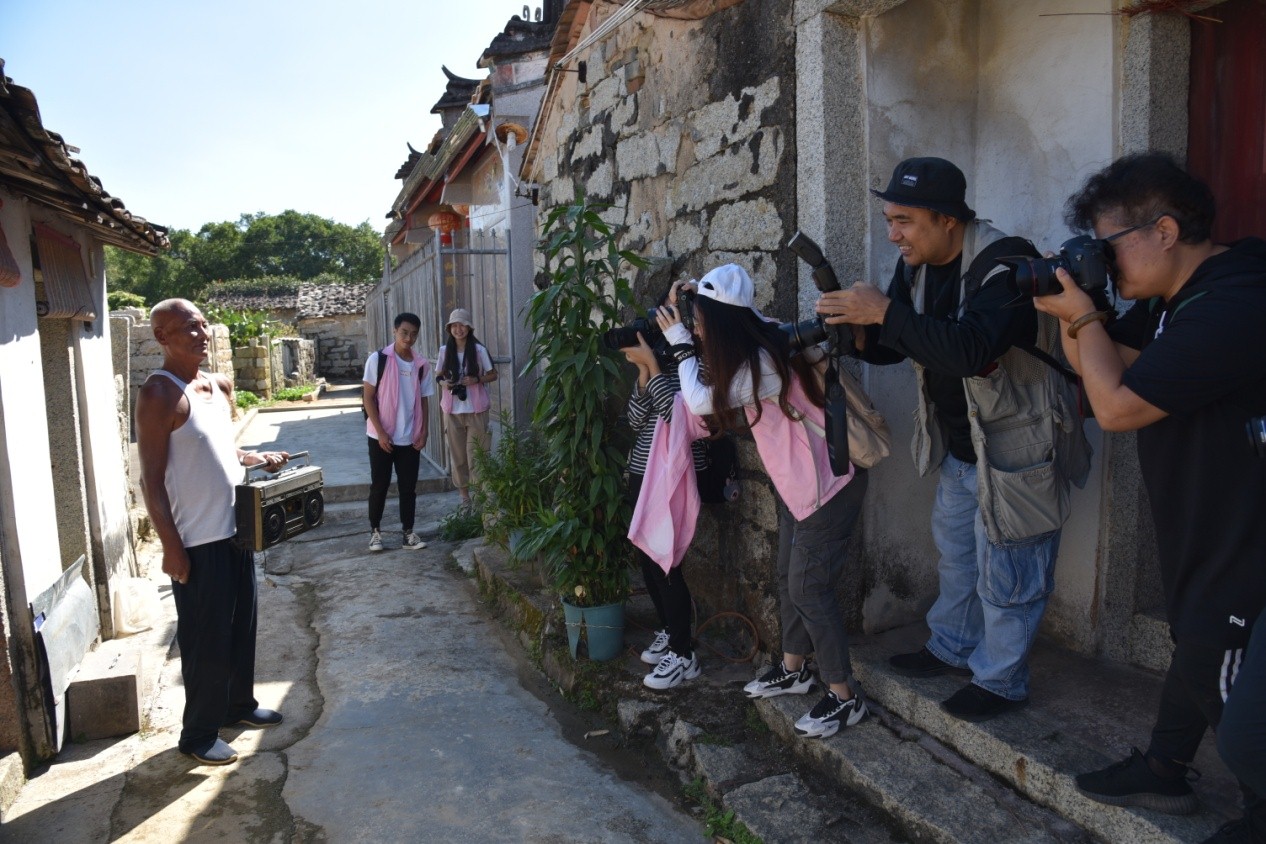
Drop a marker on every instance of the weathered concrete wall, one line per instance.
(341, 347)
(989, 85)
(298, 357)
(146, 356)
(686, 128)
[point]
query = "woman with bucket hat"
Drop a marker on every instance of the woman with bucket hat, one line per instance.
(463, 368)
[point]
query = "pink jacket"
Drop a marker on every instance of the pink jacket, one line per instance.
(476, 394)
(388, 396)
(794, 451)
(667, 508)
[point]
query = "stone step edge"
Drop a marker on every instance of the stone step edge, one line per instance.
(931, 791)
(1040, 779)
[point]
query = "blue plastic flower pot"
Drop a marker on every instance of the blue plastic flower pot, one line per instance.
(573, 616)
(604, 630)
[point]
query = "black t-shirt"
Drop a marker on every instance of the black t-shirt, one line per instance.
(1203, 361)
(952, 347)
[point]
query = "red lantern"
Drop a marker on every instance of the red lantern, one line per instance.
(444, 221)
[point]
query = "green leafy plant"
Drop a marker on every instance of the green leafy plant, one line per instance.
(720, 823)
(293, 393)
(510, 482)
(117, 300)
(579, 531)
(244, 324)
(462, 523)
(246, 399)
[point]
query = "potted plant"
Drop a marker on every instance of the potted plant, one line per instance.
(579, 531)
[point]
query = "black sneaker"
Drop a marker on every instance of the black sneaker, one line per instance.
(1132, 782)
(974, 703)
(825, 719)
(778, 680)
(924, 663)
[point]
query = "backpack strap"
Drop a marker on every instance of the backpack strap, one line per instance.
(382, 367)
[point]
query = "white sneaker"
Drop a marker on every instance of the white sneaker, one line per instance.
(656, 649)
(825, 719)
(412, 541)
(671, 670)
(375, 541)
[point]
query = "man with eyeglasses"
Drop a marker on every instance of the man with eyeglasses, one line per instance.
(1186, 368)
(997, 423)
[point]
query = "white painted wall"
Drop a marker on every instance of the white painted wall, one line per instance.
(103, 441)
(32, 556)
(1024, 104)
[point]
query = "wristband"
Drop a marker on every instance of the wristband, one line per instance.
(1082, 321)
(682, 351)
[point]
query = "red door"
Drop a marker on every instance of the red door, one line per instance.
(1226, 141)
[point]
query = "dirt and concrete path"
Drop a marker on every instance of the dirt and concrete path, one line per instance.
(405, 716)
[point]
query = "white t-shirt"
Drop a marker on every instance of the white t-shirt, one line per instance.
(408, 386)
(485, 365)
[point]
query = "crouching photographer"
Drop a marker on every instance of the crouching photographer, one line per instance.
(1186, 368)
(754, 382)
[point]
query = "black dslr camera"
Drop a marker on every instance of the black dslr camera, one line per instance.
(625, 336)
(459, 391)
(1084, 258)
(1257, 435)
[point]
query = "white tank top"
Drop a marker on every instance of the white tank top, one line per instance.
(202, 468)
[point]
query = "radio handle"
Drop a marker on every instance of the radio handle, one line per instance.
(261, 466)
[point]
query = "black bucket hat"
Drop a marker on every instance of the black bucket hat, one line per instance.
(931, 183)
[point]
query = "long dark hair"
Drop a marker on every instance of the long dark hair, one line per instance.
(734, 336)
(470, 358)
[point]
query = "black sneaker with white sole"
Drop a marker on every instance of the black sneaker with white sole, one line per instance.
(825, 719)
(1132, 782)
(779, 680)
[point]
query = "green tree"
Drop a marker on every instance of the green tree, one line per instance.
(304, 246)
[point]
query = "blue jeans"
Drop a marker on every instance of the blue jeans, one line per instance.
(992, 596)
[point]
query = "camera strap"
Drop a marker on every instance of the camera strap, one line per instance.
(836, 433)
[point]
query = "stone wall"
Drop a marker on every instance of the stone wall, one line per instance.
(253, 366)
(298, 358)
(341, 345)
(686, 129)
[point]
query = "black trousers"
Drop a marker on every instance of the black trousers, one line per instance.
(1242, 733)
(668, 592)
(1200, 681)
(215, 629)
(405, 459)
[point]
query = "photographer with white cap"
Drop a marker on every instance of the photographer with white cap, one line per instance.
(756, 383)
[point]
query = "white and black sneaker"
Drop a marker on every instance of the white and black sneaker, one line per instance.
(778, 680)
(656, 649)
(825, 719)
(671, 670)
(412, 541)
(375, 541)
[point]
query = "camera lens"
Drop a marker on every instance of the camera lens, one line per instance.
(1257, 435)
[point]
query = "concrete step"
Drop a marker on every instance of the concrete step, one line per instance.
(1084, 715)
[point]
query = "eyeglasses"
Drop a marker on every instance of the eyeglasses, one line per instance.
(1110, 252)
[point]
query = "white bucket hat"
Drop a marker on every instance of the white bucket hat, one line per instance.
(459, 315)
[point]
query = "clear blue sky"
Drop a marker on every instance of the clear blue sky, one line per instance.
(194, 112)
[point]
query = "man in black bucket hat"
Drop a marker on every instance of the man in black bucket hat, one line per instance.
(1000, 425)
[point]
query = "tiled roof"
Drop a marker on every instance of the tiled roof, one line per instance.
(457, 93)
(37, 163)
(321, 300)
(518, 38)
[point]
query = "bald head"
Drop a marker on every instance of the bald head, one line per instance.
(172, 310)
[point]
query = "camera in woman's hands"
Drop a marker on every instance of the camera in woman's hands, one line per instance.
(459, 391)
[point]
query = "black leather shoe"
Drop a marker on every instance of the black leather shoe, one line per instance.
(924, 663)
(973, 703)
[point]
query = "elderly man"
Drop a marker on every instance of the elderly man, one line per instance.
(998, 423)
(189, 469)
(1186, 368)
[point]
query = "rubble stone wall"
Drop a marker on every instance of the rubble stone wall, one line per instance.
(145, 355)
(341, 345)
